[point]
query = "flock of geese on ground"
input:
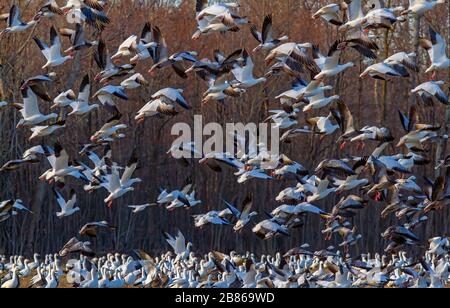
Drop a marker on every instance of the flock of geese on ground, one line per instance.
(384, 178)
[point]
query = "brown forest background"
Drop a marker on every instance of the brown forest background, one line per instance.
(371, 103)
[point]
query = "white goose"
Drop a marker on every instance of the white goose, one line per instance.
(244, 217)
(30, 111)
(244, 74)
(331, 13)
(67, 207)
(265, 38)
(119, 186)
(81, 105)
(420, 7)
(64, 99)
(52, 53)
(59, 160)
(431, 89)
(46, 130)
(15, 24)
(329, 65)
(437, 51)
(12, 283)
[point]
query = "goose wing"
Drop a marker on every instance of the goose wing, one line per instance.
(55, 44)
(30, 103)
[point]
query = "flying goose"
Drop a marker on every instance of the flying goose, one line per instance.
(77, 38)
(67, 207)
(437, 51)
(244, 74)
(59, 161)
(431, 89)
(108, 69)
(329, 65)
(331, 13)
(211, 218)
(76, 246)
(49, 10)
(163, 102)
(119, 186)
(178, 243)
(110, 130)
(420, 7)
(89, 11)
(64, 99)
(134, 82)
(355, 15)
(91, 229)
(265, 38)
(244, 217)
(9, 208)
(52, 53)
(150, 44)
(402, 58)
(324, 125)
(384, 71)
(15, 24)
(30, 111)
(81, 105)
(105, 95)
(267, 229)
(295, 51)
(140, 208)
(175, 61)
(46, 130)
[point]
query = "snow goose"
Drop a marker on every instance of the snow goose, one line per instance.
(75, 246)
(78, 40)
(355, 15)
(267, 229)
(49, 10)
(324, 125)
(320, 101)
(14, 282)
(15, 24)
(59, 160)
(349, 183)
(384, 71)
(419, 7)
(140, 208)
(81, 105)
(30, 111)
(52, 53)
(437, 51)
(110, 130)
(218, 22)
(9, 208)
(108, 69)
(134, 82)
(331, 13)
(210, 218)
(331, 66)
(175, 61)
(149, 44)
(244, 74)
(321, 192)
(67, 207)
(89, 11)
(431, 89)
(91, 229)
(265, 38)
(178, 244)
(296, 52)
(402, 58)
(244, 217)
(64, 99)
(46, 130)
(105, 95)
